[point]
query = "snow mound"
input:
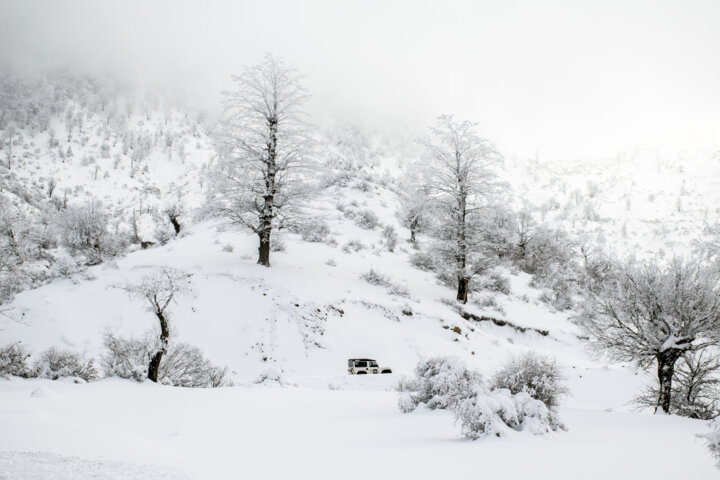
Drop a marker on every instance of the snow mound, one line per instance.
(44, 392)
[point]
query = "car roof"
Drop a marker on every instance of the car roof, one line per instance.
(363, 359)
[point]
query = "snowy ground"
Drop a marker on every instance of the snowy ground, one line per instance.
(112, 428)
(304, 317)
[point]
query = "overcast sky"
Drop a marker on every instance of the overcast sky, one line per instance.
(557, 78)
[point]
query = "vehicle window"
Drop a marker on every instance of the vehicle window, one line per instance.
(373, 364)
(361, 364)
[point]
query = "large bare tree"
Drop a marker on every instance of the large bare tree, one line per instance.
(648, 313)
(463, 182)
(264, 148)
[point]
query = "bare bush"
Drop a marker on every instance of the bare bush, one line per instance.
(495, 282)
(84, 229)
(366, 219)
(185, 365)
(13, 361)
(712, 439)
(424, 260)
(128, 357)
(376, 278)
(315, 230)
(55, 363)
(391, 238)
(353, 246)
(270, 376)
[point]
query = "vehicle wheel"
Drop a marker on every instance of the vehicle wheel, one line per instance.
(387, 371)
(361, 373)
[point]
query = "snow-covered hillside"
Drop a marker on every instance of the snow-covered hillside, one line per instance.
(338, 289)
(642, 202)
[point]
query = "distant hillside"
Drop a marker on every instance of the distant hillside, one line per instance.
(641, 203)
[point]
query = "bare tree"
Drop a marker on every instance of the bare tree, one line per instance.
(648, 313)
(525, 230)
(173, 212)
(264, 151)
(463, 180)
(159, 290)
(696, 387)
(9, 133)
(415, 207)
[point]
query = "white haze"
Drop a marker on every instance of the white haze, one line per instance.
(558, 79)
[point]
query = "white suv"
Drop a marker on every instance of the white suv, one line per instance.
(363, 366)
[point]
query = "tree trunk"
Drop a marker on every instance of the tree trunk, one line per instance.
(463, 284)
(412, 236)
(268, 211)
(154, 368)
(176, 225)
(666, 369)
(264, 248)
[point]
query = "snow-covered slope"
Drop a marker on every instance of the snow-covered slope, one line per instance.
(301, 320)
(307, 314)
(304, 317)
(642, 202)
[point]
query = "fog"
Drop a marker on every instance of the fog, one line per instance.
(557, 79)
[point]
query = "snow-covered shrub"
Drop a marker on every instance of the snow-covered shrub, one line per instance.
(128, 357)
(270, 376)
(353, 246)
(54, 363)
(13, 361)
(315, 230)
(85, 229)
(375, 278)
(391, 238)
(494, 412)
(713, 440)
(537, 375)
(185, 365)
(487, 301)
(406, 384)
(424, 260)
(406, 403)
(366, 219)
(278, 244)
(162, 233)
(441, 382)
(228, 248)
(495, 282)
